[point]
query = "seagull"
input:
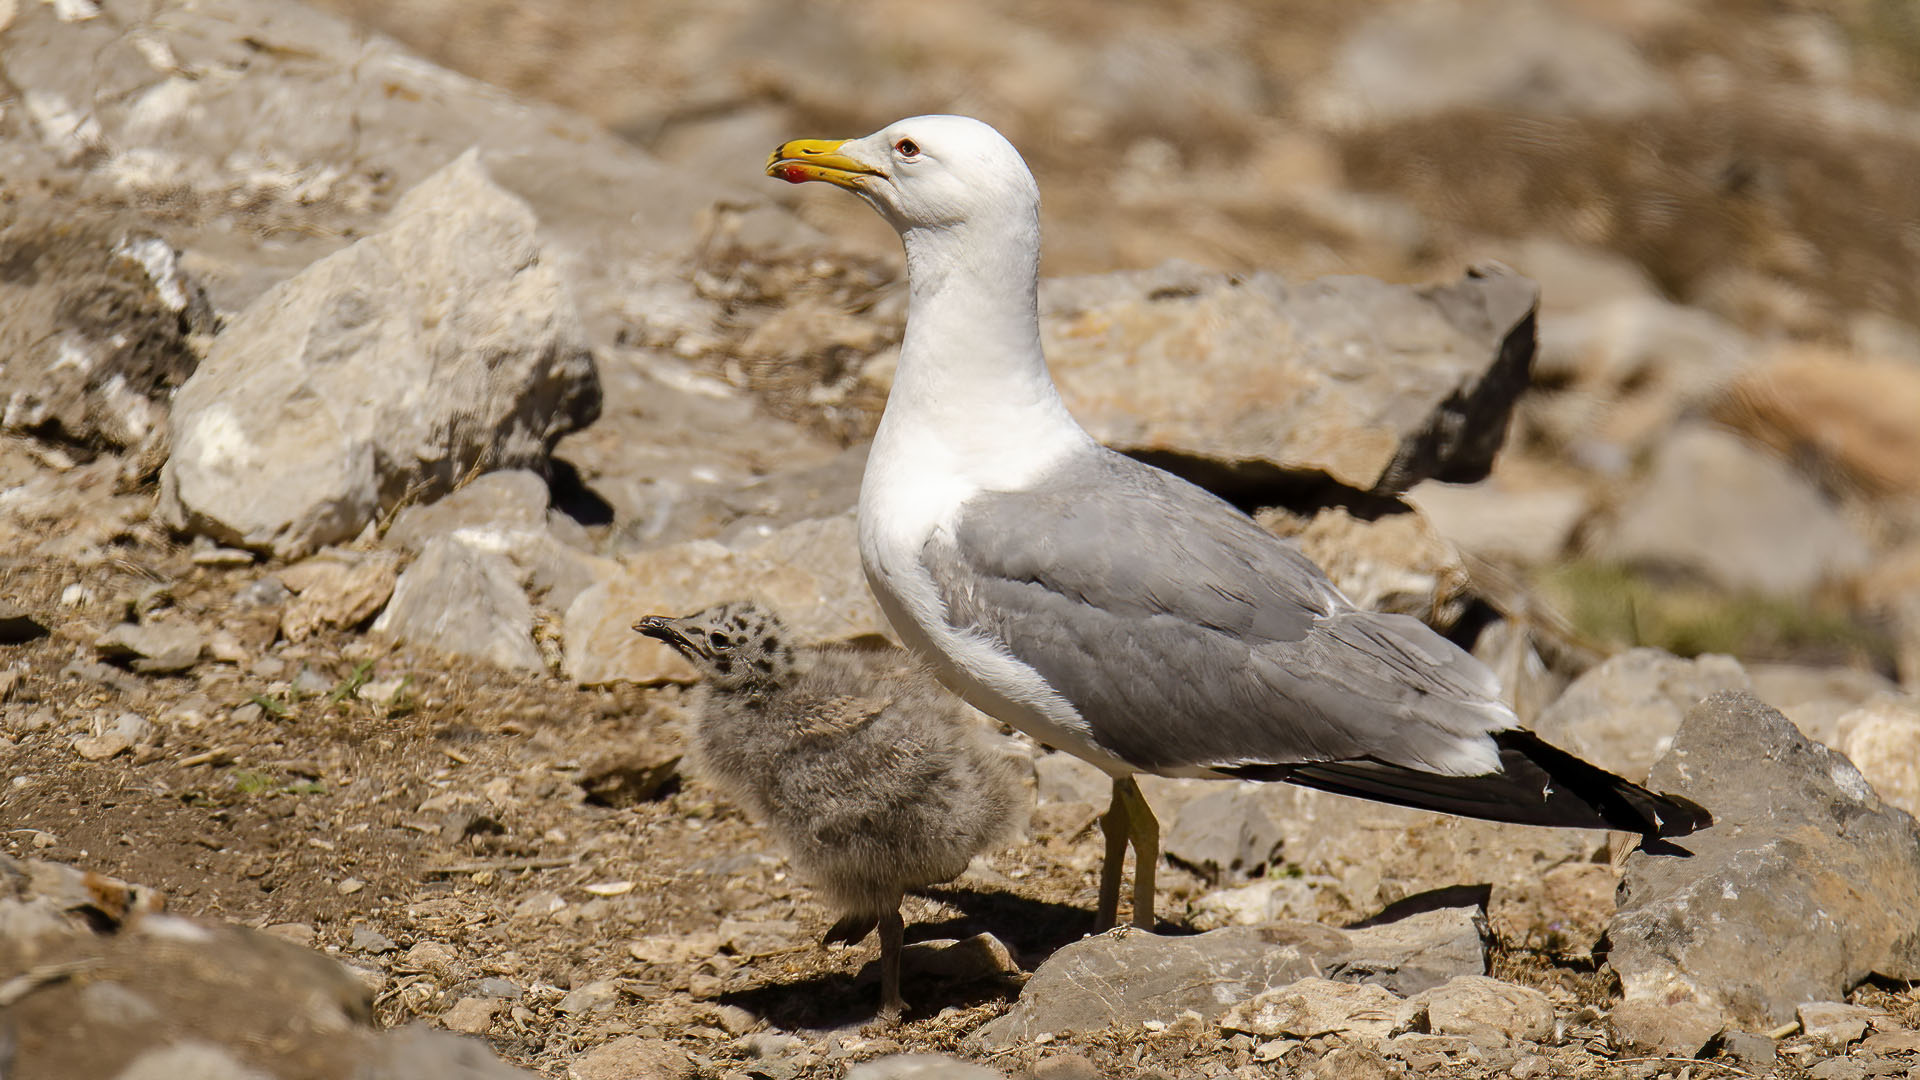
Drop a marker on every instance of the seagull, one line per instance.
(863, 768)
(1112, 610)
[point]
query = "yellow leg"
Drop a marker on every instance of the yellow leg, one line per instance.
(1114, 824)
(1144, 830)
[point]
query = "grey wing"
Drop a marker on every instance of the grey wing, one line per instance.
(1191, 639)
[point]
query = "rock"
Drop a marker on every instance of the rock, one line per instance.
(1899, 1041)
(981, 956)
(1066, 1066)
(1223, 836)
(665, 476)
(506, 514)
(300, 934)
(1063, 778)
(497, 989)
(1815, 698)
(1315, 1006)
(1727, 512)
(417, 1051)
(1838, 1069)
(338, 589)
(471, 1016)
(1743, 1046)
(1852, 413)
(595, 998)
(1678, 1029)
(153, 648)
(631, 776)
(97, 327)
(744, 514)
(490, 503)
(810, 572)
(1835, 1024)
(1271, 899)
(169, 981)
(1879, 738)
(436, 957)
(1354, 1063)
(1632, 367)
(1418, 952)
(101, 747)
(335, 121)
(1378, 386)
(51, 899)
(366, 939)
(1487, 1011)
(1526, 527)
(1509, 56)
(1133, 977)
(757, 937)
(918, 1067)
(392, 367)
(464, 601)
(201, 1060)
(1622, 714)
(1805, 884)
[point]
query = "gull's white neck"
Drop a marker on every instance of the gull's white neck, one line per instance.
(971, 396)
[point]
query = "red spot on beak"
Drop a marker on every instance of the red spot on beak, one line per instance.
(792, 173)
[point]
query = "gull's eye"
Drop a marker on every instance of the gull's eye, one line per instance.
(907, 148)
(719, 640)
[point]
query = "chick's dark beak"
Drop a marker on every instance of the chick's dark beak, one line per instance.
(662, 628)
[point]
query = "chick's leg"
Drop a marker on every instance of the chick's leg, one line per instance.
(892, 936)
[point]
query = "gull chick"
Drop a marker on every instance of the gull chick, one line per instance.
(1113, 610)
(863, 768)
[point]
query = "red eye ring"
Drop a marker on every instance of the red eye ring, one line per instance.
(907, 148)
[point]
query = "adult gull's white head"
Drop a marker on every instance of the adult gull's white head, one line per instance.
(925, 172)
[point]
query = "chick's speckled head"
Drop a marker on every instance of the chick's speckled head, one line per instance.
(736, 645)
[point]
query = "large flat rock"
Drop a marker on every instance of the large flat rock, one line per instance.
(1378, 386)
(1130, 977)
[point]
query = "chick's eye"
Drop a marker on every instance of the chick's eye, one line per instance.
(907, 148)
(718, 640)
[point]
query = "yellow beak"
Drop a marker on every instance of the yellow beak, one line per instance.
(802, 160)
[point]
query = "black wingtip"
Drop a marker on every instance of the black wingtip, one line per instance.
(1680, 815)
(1619, 802)
(1537, 784)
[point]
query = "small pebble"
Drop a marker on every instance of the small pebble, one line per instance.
(298, 933)
(471, 1016)
(498, 988)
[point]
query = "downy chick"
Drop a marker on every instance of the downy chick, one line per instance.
(864, 769)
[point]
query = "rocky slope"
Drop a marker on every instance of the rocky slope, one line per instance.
(353, 408)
